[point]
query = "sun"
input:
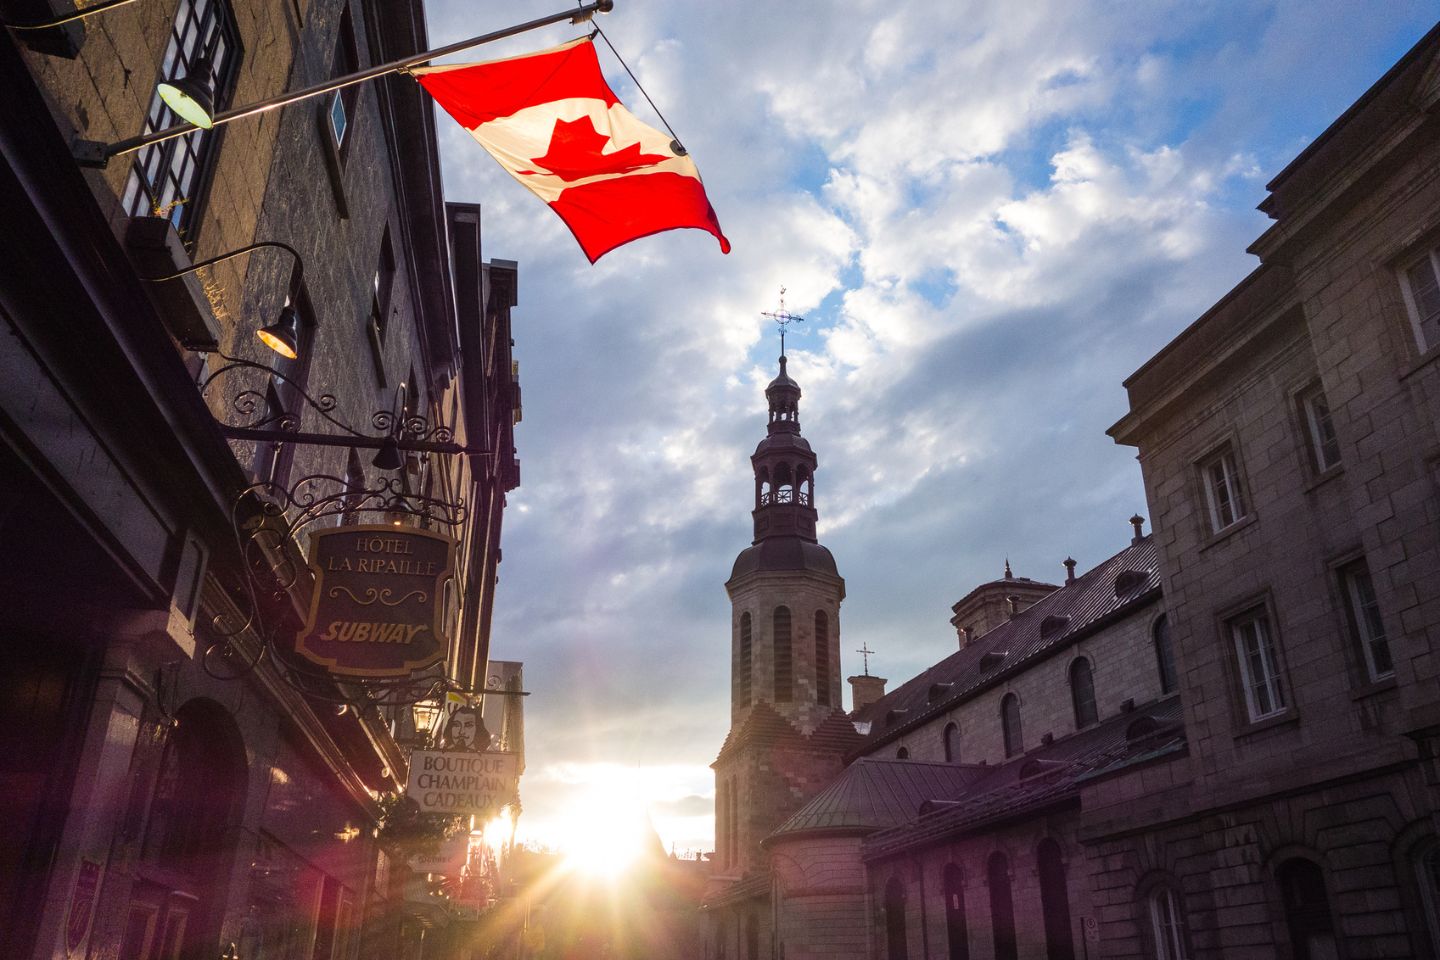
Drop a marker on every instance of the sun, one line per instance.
(606, 830)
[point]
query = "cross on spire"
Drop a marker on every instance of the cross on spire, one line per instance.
(865, 652)
(783, 317)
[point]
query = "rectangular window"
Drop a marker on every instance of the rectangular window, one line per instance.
(1363, 611)
(1420, 283)
(342, 102)
(1259, 665)
(1319, 430)
(1222, 490)
(166, 178)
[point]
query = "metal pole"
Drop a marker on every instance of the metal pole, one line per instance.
(70, 17)
(345, 440)
(89, 153)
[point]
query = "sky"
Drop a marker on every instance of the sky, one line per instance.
(989, 213)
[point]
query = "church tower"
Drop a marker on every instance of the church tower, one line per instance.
(784, 590)
(788, 734)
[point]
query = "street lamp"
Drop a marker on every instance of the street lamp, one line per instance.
(192, 96)
(425, 713)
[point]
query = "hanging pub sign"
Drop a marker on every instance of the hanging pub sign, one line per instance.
(379, 600)
(455, 783)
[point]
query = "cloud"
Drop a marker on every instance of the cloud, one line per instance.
(990, 214)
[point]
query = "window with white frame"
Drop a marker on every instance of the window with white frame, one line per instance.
(1167, 924)
(1319, 429)
(167, 177)
(1366, 626)
(1420, 282)
(1259, 664)
(1222, 489)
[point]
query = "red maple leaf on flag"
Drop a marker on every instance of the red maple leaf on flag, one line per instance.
(574, 153)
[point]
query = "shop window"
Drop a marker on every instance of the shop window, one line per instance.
(1010, 721)
(822, 658)
(746, 648)
(168, 179)
(956, 932)
(1223, 499)
(1055, 901)
(896, 947)
(952, 743)
(783, 663)
(1002, 907)
(1319, 429)
(1366, 626)
(1167, 923)
(1082, 693)
(1420, 284)
(1165, 656)
(1259, 663)
(1307, 910)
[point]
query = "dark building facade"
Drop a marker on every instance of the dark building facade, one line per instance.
(171, 790)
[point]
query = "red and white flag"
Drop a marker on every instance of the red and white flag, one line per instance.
(550, 119)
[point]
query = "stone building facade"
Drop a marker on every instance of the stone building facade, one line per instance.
(170, 791)
(1220, 742)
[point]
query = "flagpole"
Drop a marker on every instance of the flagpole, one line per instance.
(89, 153)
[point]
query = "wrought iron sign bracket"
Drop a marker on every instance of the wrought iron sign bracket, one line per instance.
(359, 441)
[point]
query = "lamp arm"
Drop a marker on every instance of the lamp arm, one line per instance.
(88, 153)
(299, 264)
(71, 17)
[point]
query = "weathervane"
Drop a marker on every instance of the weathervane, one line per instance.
(784, 318)
(865, 652)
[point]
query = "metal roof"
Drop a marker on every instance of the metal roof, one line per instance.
(874, 793)
(1068, 614)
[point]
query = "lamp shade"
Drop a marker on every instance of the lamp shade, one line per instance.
(283, 336)
(192, 96)
(388, 457)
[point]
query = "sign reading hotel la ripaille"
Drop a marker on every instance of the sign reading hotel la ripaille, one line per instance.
(378, 605)
(452, 782)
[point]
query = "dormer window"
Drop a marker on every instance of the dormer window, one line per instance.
(1052, 625)
(1128, 581)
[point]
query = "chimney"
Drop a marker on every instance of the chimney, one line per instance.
(865, 690)
(1069, 569)
(1137, 522)
(967, 637)
(1013, 603)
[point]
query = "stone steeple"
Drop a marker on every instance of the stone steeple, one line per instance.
(784, 589)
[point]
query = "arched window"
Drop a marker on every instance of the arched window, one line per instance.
(952, 743)
(896, 947)
(903, 753)
(955, 930)
(1307, 910)
(783, 667)
(1082, 693)
(746, 652)
(1010, 720)
(1167, 923)
(822, 658)
(762, 487)
(1165, 656)
(802, 486)
(1055, 901)
(1002, 907)
(784, 484)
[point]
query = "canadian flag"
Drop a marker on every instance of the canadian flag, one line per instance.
(550, 119)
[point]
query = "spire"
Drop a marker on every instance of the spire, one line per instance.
(784, 467)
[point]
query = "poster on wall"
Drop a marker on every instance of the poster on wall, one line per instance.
(457, 783)
(378, 607)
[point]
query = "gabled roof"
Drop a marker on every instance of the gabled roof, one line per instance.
(1043, 778)
(872, 794)
(1077, 609)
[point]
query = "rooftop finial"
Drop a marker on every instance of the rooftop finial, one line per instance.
(784, 318)
(865, 652)
(1008, 574)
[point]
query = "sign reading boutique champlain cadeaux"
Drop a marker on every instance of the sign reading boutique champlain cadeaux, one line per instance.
(379, 600)
(451, 782)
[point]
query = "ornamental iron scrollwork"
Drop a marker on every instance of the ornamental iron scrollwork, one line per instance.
(270, 521)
